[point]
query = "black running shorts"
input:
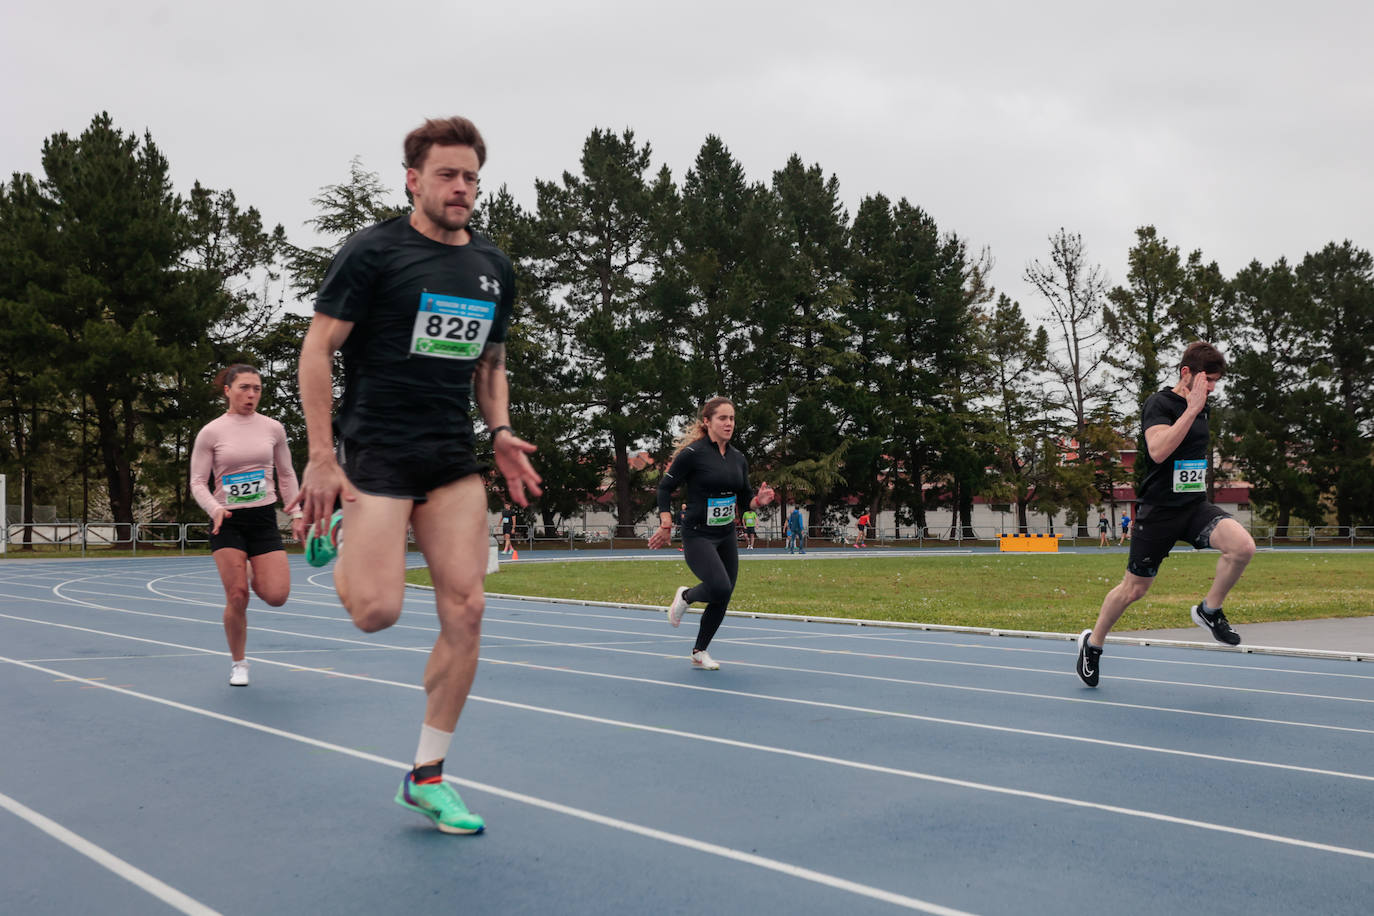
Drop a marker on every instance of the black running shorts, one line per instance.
(254, 531)
(1156, 529)
(408, 471)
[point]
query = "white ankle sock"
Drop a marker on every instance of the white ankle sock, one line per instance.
(433, 744)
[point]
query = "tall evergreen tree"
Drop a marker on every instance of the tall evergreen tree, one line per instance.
(1017, 358)
(1270, 395)
(1141, 322)
(797, 335)
(1339, 285)
(600, 263)
(125, 306)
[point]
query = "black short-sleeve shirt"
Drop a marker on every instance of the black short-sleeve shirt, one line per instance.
(422, 313)
(1161, 479)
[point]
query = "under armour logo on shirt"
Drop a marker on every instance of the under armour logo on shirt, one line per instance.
(489, 285)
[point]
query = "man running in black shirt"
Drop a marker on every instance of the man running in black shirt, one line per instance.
(419, 306)
(1173, 506)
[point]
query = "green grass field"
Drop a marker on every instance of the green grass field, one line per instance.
(1056, 593)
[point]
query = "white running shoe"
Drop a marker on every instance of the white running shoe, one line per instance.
(238, 674)
(703, 660)
(678, 607)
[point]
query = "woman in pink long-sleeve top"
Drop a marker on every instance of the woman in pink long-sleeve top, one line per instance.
(237, 454)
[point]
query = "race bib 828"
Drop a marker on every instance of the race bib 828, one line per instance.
(449, 327)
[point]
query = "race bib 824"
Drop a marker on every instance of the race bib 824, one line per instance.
(1190, 476)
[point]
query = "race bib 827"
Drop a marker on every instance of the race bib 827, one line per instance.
(244, 488)
(1190, 476)
(449, 327)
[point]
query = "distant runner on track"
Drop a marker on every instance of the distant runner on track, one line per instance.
(716, 476)
(239, 452)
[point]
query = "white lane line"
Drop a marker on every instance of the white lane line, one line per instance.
(914, 639)
(938, 720)
(666, 655)
(938, 661)
(1121, 639)
(492, 604)
(134, 875)
(774, 865)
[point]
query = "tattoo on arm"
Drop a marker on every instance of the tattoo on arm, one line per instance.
(493, 356)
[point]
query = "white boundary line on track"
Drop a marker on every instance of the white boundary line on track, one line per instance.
(872, 711)
(67, 601)
(775, 865)
(58, 593)
(150, 585)
(730, 742)
(950, 628)
(131, 873)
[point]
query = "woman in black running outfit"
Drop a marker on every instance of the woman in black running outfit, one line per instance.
(717, 479)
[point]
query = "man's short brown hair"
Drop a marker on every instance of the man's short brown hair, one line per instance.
(1200, 356)
(443, 132)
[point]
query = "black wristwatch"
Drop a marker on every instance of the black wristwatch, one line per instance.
(496, 429)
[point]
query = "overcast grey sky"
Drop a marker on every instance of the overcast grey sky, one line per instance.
(1240, 128)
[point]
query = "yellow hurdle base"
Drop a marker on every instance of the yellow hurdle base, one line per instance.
(1028, 543)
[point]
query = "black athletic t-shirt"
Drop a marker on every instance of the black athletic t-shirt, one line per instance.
(1169, 483)
(422, 312)
(716, 484)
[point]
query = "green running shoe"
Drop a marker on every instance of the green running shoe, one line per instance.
(440, 803)
(321, 548)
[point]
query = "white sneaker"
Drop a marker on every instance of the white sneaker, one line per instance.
(238, 674)
(703, 660)
(678, 607)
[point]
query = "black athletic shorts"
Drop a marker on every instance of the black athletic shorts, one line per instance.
(1156, 529)
(407, 471)
(254, 531)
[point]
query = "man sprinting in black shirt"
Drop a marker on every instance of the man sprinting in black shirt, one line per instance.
(1173, 507)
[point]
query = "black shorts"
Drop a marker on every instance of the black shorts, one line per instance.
(1156, 529)
(410, 471)
(254, 531)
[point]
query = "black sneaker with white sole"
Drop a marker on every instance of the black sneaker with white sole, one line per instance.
(1216, 623)
(1088, 658)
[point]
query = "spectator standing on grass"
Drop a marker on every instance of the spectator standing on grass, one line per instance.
(1103, 531)
(796, 531)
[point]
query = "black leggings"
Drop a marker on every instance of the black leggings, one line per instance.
(715, 561)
